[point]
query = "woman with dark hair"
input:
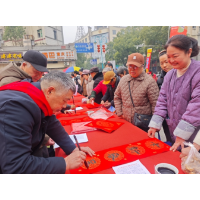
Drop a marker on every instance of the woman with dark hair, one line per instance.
(122, 71)
(179, 98)
(165, 67)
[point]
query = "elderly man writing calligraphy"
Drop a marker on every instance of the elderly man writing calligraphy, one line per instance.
(26, 114)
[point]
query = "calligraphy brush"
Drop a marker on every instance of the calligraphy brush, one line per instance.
(80, 150)
(73, 103)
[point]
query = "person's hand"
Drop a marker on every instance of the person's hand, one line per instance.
(152, 132)
(102, 102)
(75, 160)
(107, 104)
(73, 107)
(50, 142)
(185, 151)
(121, 116)
(179, 141)
(68, 112)
(91, 99)
(86, 150)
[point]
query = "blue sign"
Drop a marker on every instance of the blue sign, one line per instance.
(93, 62)
(84, 47)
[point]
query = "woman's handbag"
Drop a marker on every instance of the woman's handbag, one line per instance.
(139, 120)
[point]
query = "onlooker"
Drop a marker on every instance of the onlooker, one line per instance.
(97, 77)
(165, 66)
(33, 66)
(100, 87)
(136, 94)
(179, 99)
(108, 64)
(153, 75)
(112, 81)
(83, 84)
(26, 115)
(88, 81)
(122, 71)
(78, 82)
(72, 76)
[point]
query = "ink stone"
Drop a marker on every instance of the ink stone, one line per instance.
(165, 170)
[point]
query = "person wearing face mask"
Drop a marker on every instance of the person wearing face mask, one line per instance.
(179, 99)
(136, 94)
(165, 66)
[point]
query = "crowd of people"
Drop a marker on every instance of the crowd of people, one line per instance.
(29, 103)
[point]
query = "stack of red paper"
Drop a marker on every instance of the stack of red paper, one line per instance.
(108, 126)
(78, 128)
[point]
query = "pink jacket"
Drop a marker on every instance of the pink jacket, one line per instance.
(100, 88)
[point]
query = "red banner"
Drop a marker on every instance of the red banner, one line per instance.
(121, 155)
(148, 60)
(178, 30)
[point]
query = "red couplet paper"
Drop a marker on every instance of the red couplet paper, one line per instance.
(109, 158)
(69, 122)
(61, 115)
(108, 126)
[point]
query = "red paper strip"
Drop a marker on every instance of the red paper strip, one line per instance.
(71, 115)
(106, 125)
(109, 158)
(69, 122)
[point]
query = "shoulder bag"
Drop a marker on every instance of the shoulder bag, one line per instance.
(139, 120)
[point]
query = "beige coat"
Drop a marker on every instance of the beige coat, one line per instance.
(12, 73)
(89, 86)
(144, 91)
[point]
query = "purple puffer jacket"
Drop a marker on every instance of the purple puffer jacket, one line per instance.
(179, 103)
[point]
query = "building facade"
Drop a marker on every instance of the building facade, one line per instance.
(100, 36)
(40, 35)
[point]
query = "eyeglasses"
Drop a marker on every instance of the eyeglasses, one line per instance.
(134, 67)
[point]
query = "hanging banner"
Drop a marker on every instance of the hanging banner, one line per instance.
(149, 51)
(178, 30)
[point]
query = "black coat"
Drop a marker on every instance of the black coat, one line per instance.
(109, 95)
(161, 79)
(98, 78)
(22, 126)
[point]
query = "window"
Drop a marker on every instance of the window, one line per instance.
(194, 27)
(55, 34)
(39, 32)
(114, 32)
(85, 39)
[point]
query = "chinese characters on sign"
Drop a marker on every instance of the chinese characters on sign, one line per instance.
(84, 47)
(56, 55)
(10, 56)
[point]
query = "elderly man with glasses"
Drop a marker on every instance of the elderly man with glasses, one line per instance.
(136, 94)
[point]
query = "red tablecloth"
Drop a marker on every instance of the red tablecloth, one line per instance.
(127, 133)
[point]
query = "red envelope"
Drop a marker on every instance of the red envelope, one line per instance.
(106, 125)
(69, 122)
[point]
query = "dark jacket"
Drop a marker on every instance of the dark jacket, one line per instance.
(109, 95)
(97, 78)
(22, 126)
(161, 79)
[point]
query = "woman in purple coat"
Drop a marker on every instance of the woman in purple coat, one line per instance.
(179, 99)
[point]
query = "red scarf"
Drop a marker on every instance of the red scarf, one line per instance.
(36, 94)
